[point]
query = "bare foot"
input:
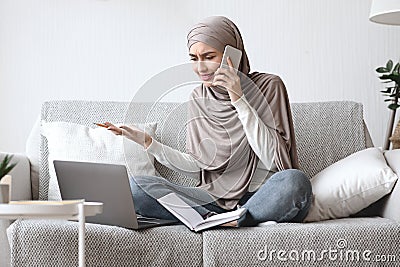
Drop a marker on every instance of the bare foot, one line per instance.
(230, 224)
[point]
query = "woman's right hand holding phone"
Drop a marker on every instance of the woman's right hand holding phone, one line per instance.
(132, 133)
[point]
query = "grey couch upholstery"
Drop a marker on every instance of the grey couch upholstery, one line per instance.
(325, 132)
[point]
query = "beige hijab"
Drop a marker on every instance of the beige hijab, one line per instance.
(215, 134)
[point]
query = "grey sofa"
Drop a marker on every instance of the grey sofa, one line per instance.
(325, 132)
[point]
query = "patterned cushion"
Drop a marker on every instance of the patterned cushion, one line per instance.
(327, 132)
(55, 243)
(259, 246)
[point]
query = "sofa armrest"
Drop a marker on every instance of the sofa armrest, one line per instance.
(390, 204)
(20, 190)
(21, 177)
(368, 139)
(4, 248)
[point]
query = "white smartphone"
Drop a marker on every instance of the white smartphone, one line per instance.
(234, 54)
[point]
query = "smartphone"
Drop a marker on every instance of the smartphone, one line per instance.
(234, 54)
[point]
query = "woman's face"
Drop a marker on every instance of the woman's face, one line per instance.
(206, 61)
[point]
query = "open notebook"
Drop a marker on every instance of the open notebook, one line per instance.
(191, 218)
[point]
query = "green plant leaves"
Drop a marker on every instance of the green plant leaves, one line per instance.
(396, 69)
(5, 166)
(391, 74)
(389, 65)
(387, 77)
(382, 70)
(393, 106)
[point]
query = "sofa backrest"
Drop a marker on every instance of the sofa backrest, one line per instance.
(325, 132)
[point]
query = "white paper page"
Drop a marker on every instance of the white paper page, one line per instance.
(190, 217)
(219, 219)
(229, 214)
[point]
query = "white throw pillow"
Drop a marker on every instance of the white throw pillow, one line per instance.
(75, 142)
(350, 185)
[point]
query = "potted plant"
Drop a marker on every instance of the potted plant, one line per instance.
(390, 75)
(5, 180)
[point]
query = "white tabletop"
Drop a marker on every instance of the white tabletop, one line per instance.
(69, 209)
(50, 209)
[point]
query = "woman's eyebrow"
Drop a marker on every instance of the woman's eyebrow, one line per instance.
(204, 54)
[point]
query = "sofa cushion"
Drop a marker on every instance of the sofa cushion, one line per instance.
(327, 132)
(350, 185)
(305, 244)
(55, 243)
(368, 238)
(75, 142)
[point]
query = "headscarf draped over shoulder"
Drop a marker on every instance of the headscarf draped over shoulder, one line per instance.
(215, 134)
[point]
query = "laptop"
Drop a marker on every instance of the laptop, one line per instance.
(106, 183)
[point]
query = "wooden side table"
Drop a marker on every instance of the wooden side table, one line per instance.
(67, 210)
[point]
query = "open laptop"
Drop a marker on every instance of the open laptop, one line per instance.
(106, 183)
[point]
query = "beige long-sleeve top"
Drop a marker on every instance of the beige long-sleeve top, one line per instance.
(260, 137)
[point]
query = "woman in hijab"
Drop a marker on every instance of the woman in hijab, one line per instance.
(240, 142)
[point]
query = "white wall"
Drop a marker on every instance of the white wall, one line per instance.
(106, 49)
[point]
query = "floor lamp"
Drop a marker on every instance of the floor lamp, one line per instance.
(386, 12)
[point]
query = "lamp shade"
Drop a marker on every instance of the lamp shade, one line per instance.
(385, 12)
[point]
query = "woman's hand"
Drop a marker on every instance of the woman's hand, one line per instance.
(132, 133)
(228, 79)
